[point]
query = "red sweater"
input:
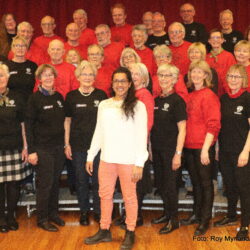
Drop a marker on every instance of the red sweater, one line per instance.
(112, 54)
(144, 96)
(80, 48)
(122, 34)
(147, 58)
(103, 80)
(180, 57)
(180, 88)
(203, 110)
(221, 64)
(87, 37)
(66, 80)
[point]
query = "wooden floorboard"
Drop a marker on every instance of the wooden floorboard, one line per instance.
(70, 237)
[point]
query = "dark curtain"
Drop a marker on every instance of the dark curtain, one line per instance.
(207, 11)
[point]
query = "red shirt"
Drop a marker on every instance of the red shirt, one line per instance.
(248, 73)
(147, 58)
(80, 48)
(87, 37)
(179, 87)
(203, 110)
(145, 96)
(122, 34)
(65, 80)
(221, 64)
(103, 80)
(112, 54)
(180, 57)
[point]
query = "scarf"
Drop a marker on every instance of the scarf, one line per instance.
(45, 91)
(239, 93)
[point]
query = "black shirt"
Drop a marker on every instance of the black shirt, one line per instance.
(153, 41)
(83, 112)
(168, 112)
(234, 122)
(22, 77)
(44, 121)
(11, 116)
(231, 39)
(195, 32)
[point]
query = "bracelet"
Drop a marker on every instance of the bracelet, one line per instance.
(178, 152)
(66, 145)
(25, 147)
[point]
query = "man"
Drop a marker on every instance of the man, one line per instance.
(147, 19)
(179, 47)
(42, 42)
(112, 50)
(159, 35)
(195, 32)
(139, 37)
(121, 32)
(73, 34)
(87, 36)
(231, 37)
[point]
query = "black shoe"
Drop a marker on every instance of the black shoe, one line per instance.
(225, 222)
(97, 217)
(84, 219)
(72, 190)
(162, 219)
(47, 226)
(120, 221)
(129, 240)
(12, 224)
(201, 229)
(169, 227)
(58, 221)
(242, 235)
(103, 235)
(190, 220)
(4, 229)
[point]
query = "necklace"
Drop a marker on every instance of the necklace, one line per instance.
(86, 94)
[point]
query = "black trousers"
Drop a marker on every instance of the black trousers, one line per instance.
(9, 193)
(166, 181)
(48, 171)
(237, 184)
(201, 177)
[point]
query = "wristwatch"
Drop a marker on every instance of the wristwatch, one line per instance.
(178, 152)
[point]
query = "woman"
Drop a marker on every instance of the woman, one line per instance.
(81, 111)
(167, 139)
(45, 136)
(234, 147)
(13, 151)
(123, 144)
(197, 52)
(140, 78)
(129, 56)
(73, 57)
(203, 125)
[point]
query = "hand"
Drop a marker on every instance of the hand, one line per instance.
(33, 158)
(89, 167)
(25, 155)
(137, 173)
(68, 152)
(243, 158)
(176, 162)
(204, 157)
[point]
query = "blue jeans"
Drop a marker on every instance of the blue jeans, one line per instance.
(83, 180)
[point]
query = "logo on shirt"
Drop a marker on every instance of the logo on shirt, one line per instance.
(28, 71)
(11, 103)
(81, 105)
(193, 32)
(48, 107)
(60, 104)
(167, 42)
(96, 103)
(165, 107)
(234, 39)
(239, 110)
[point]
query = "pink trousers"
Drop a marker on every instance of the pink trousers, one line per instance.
(108, 173)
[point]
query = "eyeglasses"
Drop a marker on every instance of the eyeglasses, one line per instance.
(87, 75)
(215, 37)
(47, 75)
(120, 81)
(175, 32)
(47, 24)
(235, 77)
(164, 75)
(95, 54)
(162, 56)
(186, 11)
(101, 33)
(20, 46)
(129, 57)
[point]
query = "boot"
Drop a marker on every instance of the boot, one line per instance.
(170, 226)
(129, 240)
(103, 235)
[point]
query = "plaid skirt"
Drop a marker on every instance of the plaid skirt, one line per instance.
(11, 166)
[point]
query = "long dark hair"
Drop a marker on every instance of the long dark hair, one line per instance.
(130, 99)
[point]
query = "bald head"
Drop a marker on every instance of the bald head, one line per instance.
(48, 25)
(56, 51)
(187, 13)
(73, 32)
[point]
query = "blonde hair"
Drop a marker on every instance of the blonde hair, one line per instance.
(242, 43)
(16, 39)
(5, 69)
(26, 24)
(132, 51)
(85, 64)
(181, 26)
(162, 49)
(81, 12)
(200, 46)
(227, 11)
(42, 68)
(203, 65)
(242, 70)
(170, 68)
(76, 51)
(143, 71)
(96, 46)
